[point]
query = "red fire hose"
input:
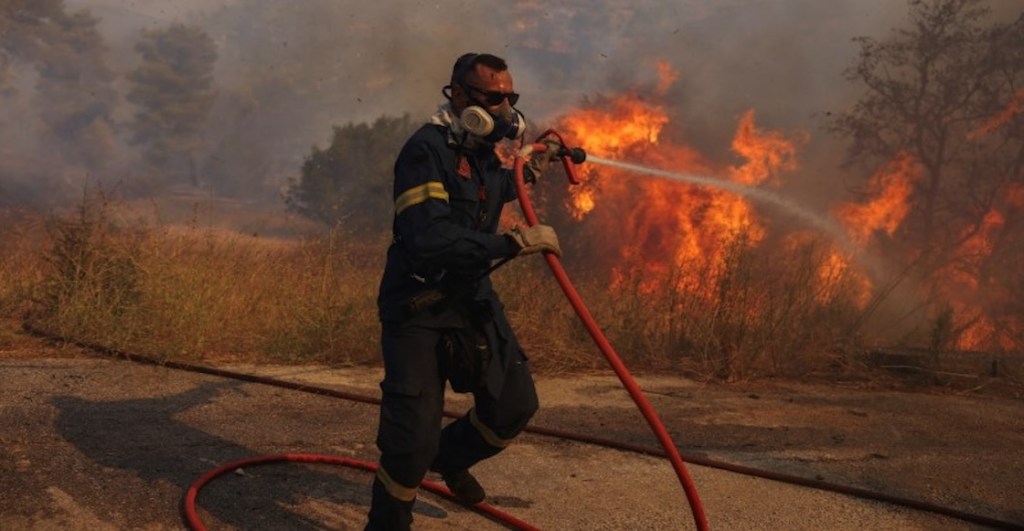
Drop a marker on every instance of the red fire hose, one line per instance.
(189, 502)
(671, 451)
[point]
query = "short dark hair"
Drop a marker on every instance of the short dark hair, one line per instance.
(467, 63)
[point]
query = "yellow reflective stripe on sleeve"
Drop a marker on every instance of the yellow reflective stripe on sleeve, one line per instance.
(489, 436)
(419, 194)
(394, 488)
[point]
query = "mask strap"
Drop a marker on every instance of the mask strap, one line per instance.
(522, 138)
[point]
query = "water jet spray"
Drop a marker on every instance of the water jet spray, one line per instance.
(872, 265)
(815, 219)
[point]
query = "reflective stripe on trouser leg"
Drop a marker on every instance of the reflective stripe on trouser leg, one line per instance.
(490, 426)
(396, 489)
(487, 433)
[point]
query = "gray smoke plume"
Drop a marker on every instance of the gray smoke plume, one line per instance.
(287, 71)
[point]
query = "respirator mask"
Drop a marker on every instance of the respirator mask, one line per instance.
(507, 123)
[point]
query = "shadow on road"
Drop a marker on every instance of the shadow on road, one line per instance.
(145, 437)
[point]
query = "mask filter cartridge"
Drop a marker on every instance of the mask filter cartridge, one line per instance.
(478, 122)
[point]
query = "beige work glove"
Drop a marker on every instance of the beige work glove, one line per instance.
(540, 161)
(536, 239)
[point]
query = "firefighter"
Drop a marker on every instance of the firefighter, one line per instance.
(449, 191)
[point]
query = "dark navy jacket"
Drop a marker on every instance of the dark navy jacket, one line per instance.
(446, 221)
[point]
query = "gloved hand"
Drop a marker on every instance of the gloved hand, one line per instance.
(539, 161)
(536, 239)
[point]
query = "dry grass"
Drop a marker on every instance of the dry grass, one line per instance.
(544, 321)
(107, 274)
(756, 313)
(22, 238)
(191, 292)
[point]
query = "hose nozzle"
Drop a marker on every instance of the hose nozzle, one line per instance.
(576, 154)
(571, 157)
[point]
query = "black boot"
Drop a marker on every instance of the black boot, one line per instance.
(465, 487)
(388, 513)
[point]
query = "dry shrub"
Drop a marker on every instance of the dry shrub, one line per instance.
(90, 289)
(545, 324)
(754, 313)
(190, 292)
(22, 237)
(327, 309)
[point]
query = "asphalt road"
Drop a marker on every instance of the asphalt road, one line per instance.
(92, 443)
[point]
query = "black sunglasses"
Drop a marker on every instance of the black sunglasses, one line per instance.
(493, 97)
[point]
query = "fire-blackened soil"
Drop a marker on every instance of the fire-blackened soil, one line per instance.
(94, 443)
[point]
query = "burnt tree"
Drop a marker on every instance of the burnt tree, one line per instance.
(949, 91)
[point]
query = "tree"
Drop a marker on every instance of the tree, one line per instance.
(932, 92)
(350, 181)
(257, 136)
(949, 92)
(173, 90)
(65, 123)
(75, 95)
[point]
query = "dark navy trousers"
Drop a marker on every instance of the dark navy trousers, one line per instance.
(410, 437)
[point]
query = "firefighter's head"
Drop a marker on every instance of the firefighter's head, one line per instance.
(483, 97)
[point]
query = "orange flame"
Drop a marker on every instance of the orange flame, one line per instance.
(662, 232)
(834, 271)
(666, 226)
(836, 275)
(891, 188)
(624, 124)
(666, 77)
(1015, 196)
(767, 152)
(680, 235)
(629, 122)
(959, 283)
(1015, 106)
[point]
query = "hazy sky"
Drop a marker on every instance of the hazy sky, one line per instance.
(722, 48)
(160, 9)
(782, 56)
(310, 64)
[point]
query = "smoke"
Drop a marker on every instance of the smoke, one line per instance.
(56, 96)
(306, 66)
(287, 71)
